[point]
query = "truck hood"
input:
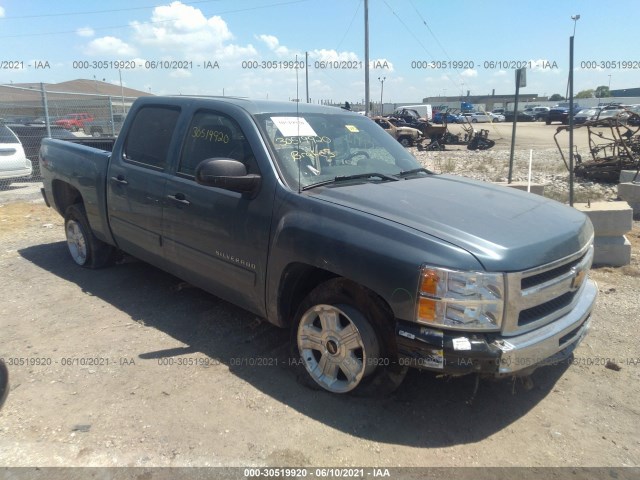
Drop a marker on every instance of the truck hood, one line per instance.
(504, 228)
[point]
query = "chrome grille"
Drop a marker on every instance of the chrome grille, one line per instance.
(543, 294)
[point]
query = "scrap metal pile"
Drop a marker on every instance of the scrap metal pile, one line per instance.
(437, 137)
(614, 144)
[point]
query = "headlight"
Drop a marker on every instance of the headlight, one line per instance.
(460, 300)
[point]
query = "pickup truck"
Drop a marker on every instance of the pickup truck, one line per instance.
(315, 219)
(74, 121)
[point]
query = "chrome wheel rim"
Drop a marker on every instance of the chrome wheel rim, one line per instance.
(76, 242)
(333, 349)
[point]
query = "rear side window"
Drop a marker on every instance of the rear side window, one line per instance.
(150, 135)
(7, 136)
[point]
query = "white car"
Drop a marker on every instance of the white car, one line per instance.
(13, 162)
(496, 117)
(474, 117)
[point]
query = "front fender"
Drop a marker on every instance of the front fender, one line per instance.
(372, 251)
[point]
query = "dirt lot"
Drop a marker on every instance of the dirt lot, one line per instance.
(129, 366)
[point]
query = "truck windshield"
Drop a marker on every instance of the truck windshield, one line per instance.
(315, 148)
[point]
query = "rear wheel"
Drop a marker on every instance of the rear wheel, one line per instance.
(85, 249)
(337, 337)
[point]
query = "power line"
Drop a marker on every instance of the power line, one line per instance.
(153, 23)
(350, 23)
(67, 14)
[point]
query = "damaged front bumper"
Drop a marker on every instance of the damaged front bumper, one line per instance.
(460, 353)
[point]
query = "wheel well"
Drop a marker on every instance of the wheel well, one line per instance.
(300, 279)
(64, 195)
(296, 283)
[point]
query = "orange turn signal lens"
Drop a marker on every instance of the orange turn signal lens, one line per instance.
(426, 309)
(429, 282)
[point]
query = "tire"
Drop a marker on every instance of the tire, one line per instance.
(85, 249)
(4, 382)
(548, 122)
(337, 338)
(474, 120)
(405, 141)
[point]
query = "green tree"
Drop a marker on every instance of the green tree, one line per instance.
(603, 91)
(555, 97)
(585, 94)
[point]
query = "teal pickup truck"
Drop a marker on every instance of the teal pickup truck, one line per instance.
(315, 219)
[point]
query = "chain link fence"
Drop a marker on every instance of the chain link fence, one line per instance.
(29, 114)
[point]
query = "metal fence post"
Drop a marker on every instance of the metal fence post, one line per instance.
(46, 109)
(113, 123)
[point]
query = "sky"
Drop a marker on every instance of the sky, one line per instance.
(249, 48)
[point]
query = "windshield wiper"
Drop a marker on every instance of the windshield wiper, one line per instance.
(406, 173)
(344, 178)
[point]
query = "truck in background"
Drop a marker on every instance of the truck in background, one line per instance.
(424, 110)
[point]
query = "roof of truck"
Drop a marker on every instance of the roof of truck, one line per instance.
(257, 106)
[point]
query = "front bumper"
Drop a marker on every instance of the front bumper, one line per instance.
(460, 353)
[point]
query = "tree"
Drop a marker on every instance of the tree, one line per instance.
(555, 97)
(603, 91)
(585, 94)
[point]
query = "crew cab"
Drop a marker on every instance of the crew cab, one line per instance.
(315, 219)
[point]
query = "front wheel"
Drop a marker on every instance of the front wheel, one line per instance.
(85, 249)
(337, 339)
(405, 141)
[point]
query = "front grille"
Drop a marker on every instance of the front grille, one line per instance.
(541, 295)
(538, 312)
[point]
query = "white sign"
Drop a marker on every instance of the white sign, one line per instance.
(293, 127)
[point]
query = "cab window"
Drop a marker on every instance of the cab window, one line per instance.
(214, 135)
(150, 134)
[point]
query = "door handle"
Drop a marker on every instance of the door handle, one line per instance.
(180, 198)
(119, 179)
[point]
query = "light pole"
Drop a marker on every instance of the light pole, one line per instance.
(381, 91)
(575, 19)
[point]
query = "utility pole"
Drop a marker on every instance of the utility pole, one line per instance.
(381, 91)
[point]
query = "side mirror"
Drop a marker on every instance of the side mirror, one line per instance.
(227, 174)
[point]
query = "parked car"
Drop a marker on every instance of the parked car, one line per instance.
(634, 120)
(586, 115)
(407, 136)
(496, 117)
(31, 136)
(74, 121)
(621, 115)
(13, 162)
(440, 117)
(474, 117)
(510, 116)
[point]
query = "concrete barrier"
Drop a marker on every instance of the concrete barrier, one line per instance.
(611, 221)
(630, 193)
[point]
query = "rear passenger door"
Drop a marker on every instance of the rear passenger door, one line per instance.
(215, 238)
(136, 182)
